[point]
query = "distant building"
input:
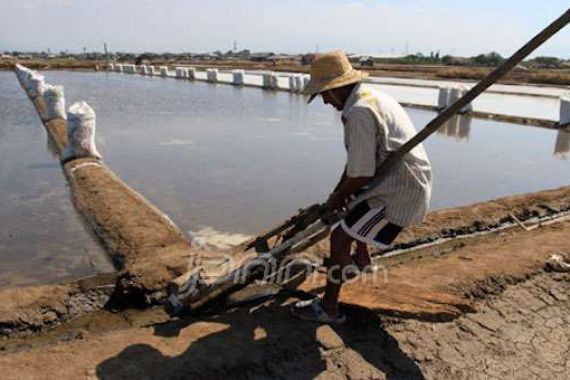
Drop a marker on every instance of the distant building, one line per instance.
(366, 61)
(261, 57)
(307, 59)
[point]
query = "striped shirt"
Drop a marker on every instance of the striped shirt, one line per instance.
(374, 126)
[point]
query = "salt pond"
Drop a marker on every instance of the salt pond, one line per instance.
(239, 159)
(221, 158)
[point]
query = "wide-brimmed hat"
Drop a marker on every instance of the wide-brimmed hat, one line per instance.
(331, 70)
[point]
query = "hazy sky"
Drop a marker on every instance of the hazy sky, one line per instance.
(365, 26)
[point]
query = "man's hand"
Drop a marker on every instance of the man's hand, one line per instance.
(339, 198)
(336, 201)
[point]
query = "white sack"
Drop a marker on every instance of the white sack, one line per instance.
(54, 99)
(80, 132)
(36, 86)
(212, 75)
(238, 77)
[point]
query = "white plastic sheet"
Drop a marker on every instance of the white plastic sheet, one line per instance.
(238, 77)
(212, 75)
(81, 124)
(455, 93)
(292, 83)
(299, 83)
(443, 97)
(565, 110)
(181, 72)
(267, 80)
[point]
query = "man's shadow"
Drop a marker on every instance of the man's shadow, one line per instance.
(267, 343)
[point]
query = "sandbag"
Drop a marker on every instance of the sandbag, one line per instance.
(54, 100)
(81, 124)
(36, 86)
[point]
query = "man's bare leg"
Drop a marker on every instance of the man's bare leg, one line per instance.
(361, 255)
(340, 259)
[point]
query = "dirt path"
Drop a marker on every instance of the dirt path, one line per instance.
(524, 333)
(508, 319)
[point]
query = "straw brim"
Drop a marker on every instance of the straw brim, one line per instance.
(315, 87)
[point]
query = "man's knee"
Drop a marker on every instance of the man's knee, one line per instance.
(340, 239)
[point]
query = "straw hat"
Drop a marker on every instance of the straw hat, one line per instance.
(331, 70)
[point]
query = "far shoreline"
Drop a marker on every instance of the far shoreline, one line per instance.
(536, 77)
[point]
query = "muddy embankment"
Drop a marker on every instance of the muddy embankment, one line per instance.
(513, 324)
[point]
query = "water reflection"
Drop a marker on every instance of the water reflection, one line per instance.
(562, 145)
(458, 127)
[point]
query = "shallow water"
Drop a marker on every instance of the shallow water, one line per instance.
(240, 159)
(42, 238)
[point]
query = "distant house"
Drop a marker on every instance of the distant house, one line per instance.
(366, 61)
(307, 59)
(143, 59)
(261, 57)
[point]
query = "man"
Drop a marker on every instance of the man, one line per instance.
(374, 126)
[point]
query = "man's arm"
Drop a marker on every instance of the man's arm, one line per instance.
(346, 188)
(341, 181)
